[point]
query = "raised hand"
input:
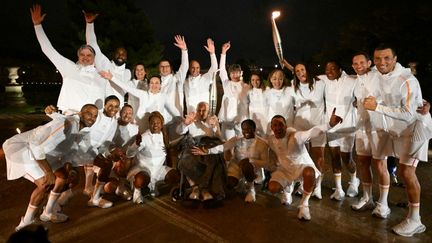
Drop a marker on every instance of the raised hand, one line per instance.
(50, 109)
(370, 103)
(213, 121)
(89, 17)
(210, 46)
(106, 75)
(334, 119)
(225, 47)
(189, 118)
(36, 14)
(180, 42)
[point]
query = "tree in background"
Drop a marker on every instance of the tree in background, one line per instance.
(120, 23)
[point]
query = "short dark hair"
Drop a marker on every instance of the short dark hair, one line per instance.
(126, 105)
(362, 53)
(249, 122)
(87, 106)
(384, 46)
(111, 97)
(278, 117)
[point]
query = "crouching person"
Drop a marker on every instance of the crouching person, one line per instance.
(250, 156)
(293, 158)
(150, 155)
(37, 156)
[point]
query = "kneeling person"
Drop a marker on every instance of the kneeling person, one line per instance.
(293, 158)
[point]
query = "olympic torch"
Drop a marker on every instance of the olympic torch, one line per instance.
(213, 95)
(276, 36)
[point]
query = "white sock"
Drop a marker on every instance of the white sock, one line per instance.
(89, 174)
(30, 212)
(98, 190)
(305, 199)
(289, 188)
(414, 211)
(353, 176)
(338, 181)
(367, 191)
(384, 190)
(318, 181)
(52, 198)
(65, 197)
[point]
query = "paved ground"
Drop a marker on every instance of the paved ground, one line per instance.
(162, 220)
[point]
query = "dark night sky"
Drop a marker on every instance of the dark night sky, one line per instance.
(305, 26)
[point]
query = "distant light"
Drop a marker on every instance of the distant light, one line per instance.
(57, 71)
(18, 130)
(318, 65)
(260, 69)
(23, 72)
(276, 65)
(275, 14)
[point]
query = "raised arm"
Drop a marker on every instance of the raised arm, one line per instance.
(222, 64)
(285, 63)
(101, 61)
(184, 66)
(213, 60)
(64, 65)
(140, 94)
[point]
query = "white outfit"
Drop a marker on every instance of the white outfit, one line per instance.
(370, 138)
(132, 100)
(81, 84)
(97, 141)
(258, 110)
(150, 157)
(255, 149)
(400, 96)
(149, 102)
(339, 94)
(125, 135)
(52, 141)
(310, 109)
(233, 106)
(279, 102)
(199, 128)
(292, 154)
(102, 63)
(172, 87)
(197, 89)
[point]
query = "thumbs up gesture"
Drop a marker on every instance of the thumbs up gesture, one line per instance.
(334, 119)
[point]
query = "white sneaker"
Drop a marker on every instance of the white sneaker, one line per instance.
(102, 203)
(195, 193)
(250, 196)
(54, 217)
(137, 196)
(381, 211)
(352, 190)
(286, 198)
(338, 195)
(317, 193)
(363, 205)
(260, 176)
(304, 213)
(123, 193)
(409, 227)
(23, 224)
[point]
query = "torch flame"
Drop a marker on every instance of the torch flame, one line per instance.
(275, 14)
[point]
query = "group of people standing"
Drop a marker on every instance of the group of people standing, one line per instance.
(283, 128)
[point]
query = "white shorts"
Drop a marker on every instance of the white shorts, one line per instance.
(319, 141)
(285, 177)
(34, 171)
(409, 152)
(155, 175)
(344, 141)
(375, 144)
